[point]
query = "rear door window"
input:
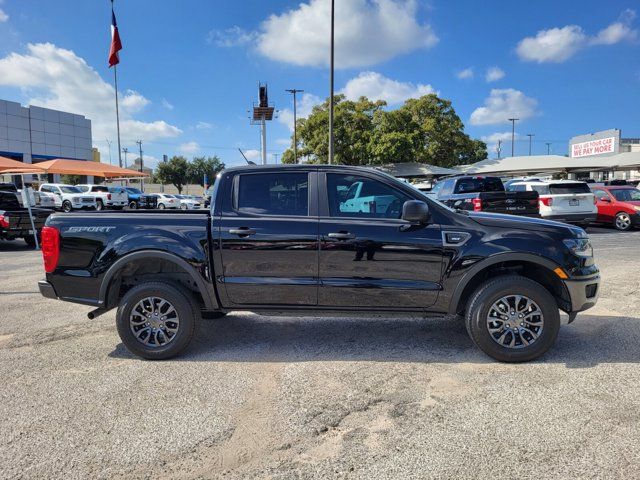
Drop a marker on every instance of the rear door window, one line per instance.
(569, 188)
(280, 194)
(541, 189)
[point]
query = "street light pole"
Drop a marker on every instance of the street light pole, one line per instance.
(109, 143)
(125, 150)
(330, 159)
(513, 135)
(548, 148)
(294, 91)
(139, 142)
(530, 135)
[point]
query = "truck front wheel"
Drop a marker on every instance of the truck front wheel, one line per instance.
(156, 320)
(513, 319)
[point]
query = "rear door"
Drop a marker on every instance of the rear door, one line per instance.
(268, 233)
(371, 258)
(571, 198)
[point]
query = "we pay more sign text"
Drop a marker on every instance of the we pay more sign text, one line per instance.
(593, 147)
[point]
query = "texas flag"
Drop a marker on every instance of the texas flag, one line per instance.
(116, 45)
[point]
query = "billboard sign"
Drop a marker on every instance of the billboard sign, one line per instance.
(601, 143)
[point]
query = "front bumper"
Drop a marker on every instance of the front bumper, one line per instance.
(573, 217)
(47, 290)
(583, 292)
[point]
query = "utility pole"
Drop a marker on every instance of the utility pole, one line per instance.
(125, 150)
(275, 157)
(513, 135)
(499, 148)
(330, 159)
(139, 142)
(548, 148)
(295, 122)
(109, 143)
(530, 135)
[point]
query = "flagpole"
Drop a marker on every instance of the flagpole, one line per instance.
(115, 81)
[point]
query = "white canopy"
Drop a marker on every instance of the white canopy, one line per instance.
(555, 163)
(415, 169)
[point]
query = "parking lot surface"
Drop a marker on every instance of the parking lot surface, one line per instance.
(284, 397)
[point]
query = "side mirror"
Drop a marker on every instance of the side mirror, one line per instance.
(415, 211)
(605, 199)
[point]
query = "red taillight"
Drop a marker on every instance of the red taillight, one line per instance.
(477, 204)
(4, 221)
(546, 201)
(50, 245)
(108, 196)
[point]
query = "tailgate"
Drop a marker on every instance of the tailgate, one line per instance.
(19, 220)
(573, 203)
(516, 203)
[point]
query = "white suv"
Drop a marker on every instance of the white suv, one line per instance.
(563, 200)
(106, 197)
(69, 197)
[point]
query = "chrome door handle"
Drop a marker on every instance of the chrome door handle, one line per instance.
(342, 236)
(242, 231)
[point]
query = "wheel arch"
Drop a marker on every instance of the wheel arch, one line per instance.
(531, 266)
(130, 263)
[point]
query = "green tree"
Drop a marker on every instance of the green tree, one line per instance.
(425, 130)
(175, 172)
(71, 179)
(201, 166)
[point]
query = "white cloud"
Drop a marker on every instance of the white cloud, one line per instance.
(559, 44)
(204, 126)
(283, 141)
(305, 105)
(231, 37)
(57, 78)
(553, 45)
(3, 16)
(494, 74)
(166, 104)
(618, 31)
(375, 86)
(367, 32)
(189, 148)
(252, 154)
(503, 104)
(492, 140)
(465, 74)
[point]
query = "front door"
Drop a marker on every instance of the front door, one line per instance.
(369, 257)
(269, 239)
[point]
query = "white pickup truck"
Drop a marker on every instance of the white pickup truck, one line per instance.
(106, 197)
(69, 197)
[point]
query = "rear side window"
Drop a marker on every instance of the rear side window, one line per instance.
(626, 194)
(474, 185)
(517, 188)
(569, 188)
(282, 194)
(541, 189)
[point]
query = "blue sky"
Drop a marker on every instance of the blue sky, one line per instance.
(189, 70)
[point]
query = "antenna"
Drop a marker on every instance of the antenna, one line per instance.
(249, 162)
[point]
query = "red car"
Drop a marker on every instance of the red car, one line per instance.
(618, 206)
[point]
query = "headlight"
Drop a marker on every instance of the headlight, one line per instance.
(637, 208)
(580, 247)
(75, 199)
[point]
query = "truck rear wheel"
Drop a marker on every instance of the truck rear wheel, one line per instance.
(156, 320)
(513, 319)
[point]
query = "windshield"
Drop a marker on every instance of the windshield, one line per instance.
(569, 188)
(65, 189)
(626, 194)
(478, 184)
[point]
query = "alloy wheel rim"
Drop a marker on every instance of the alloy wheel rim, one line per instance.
(154, 322)
(623, 221)
(515, 321)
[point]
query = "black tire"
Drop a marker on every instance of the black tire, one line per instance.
(66, 206)
(179, 298)
(491, 291)
(622, 221)
(99, 205)
(133, 205)
(161, 206)
(30, 241)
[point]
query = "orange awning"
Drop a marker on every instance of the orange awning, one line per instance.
(8, 166)
(80, 167)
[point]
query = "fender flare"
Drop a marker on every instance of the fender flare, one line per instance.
(208, 296)
(493, 260)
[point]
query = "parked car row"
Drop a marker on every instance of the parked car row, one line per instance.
(614, 203)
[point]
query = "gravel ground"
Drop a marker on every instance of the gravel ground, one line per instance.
(280, 397)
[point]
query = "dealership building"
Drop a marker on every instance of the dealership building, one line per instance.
(32, 134)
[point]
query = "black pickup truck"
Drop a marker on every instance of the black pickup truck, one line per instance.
(287, 239)
(486, 194)
(14, 218)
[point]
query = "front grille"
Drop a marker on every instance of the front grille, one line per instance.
(87, 200)
(591, 290)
